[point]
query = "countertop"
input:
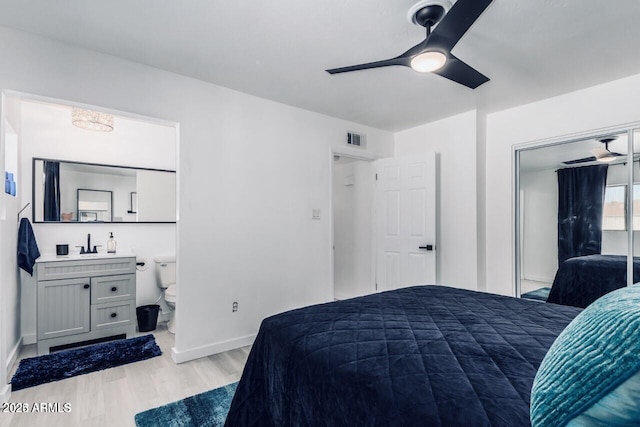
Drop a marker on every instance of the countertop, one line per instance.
(75, 257)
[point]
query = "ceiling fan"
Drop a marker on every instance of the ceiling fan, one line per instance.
(445, 25)
(600, 154)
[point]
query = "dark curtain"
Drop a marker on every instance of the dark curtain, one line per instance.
(51, 191)
(580, 203)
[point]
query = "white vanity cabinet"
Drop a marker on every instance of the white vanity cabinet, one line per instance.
(85, 299)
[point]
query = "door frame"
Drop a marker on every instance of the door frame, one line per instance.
(360, 155)
(5, 389)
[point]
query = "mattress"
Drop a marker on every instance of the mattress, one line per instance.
(424, 355)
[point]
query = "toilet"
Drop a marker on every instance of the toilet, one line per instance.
(166, 280)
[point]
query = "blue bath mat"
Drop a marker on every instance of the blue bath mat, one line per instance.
(208, 409)
(69, 363)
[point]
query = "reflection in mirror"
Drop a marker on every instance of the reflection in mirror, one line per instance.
(573, 215)
(94, 205)
(73, 192)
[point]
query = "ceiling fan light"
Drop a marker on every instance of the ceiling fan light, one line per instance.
(428, 62)
(606, 158)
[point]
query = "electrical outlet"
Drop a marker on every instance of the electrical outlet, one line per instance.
(234, 306)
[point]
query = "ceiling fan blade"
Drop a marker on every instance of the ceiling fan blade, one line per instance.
(584, 160)
(462, 73)
(377, 64)
(456, 23)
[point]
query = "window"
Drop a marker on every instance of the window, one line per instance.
(615, 207)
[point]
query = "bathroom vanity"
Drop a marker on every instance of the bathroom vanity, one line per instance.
(84, 297)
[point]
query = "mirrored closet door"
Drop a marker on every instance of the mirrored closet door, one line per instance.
(577, 213)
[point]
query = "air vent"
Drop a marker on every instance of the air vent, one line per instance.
(355, 139)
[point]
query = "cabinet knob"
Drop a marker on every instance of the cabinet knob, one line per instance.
(113, 314)
(114, 288)
(86, 286)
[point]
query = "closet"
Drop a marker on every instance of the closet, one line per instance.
(577, 215)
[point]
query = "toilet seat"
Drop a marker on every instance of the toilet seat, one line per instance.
(170, 294)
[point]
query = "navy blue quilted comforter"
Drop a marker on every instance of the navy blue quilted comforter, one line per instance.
(582, 280)
(419, 356)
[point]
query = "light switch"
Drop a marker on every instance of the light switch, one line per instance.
(315, 214)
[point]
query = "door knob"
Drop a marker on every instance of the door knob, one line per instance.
(113, 289)
(113, 314)
(426, 247)
(86, 286)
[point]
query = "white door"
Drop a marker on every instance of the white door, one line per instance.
(406, 221)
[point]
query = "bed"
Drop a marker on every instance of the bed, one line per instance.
(582, 280)
(424, 355)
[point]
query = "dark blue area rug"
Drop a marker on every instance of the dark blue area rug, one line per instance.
(539, 294)
(69, 363)
(208, 409)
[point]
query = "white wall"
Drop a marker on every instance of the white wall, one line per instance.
(454, 139)
(250, 172)
(353, 198)
(601, 106)
(539, 191)
(9, 275)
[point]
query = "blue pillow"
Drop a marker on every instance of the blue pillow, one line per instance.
(592, 370)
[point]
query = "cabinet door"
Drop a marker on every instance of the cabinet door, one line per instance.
(63, 307)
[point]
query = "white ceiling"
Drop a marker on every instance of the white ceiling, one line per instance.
(552, 157)
(530, 49)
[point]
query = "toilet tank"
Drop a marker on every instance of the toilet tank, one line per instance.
(165, 271)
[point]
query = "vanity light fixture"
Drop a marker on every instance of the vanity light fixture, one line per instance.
(92, 120)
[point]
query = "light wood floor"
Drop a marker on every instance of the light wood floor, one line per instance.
(112, 397)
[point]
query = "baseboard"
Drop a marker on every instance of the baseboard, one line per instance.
(29, 339)
(208, 350)
(13, 355)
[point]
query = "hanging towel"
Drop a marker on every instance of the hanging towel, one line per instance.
(28, 250)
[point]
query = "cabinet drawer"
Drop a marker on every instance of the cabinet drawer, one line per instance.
(85, 268)
(104, 316)
(112, 288)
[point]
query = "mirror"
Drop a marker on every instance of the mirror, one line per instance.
(75, 192)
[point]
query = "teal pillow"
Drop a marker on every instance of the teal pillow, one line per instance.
(621, 407)
(591, 373)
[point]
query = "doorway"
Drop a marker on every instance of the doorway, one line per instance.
(353, 190)
(383, 222)
(43, 128)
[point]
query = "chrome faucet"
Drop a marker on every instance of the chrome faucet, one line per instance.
(88, 250)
